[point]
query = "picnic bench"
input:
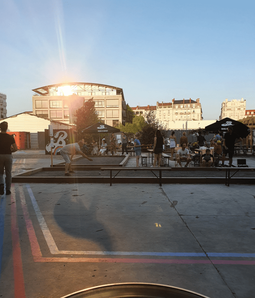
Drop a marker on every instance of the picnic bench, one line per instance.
(234, 170)
(157, 171)
(153, 170)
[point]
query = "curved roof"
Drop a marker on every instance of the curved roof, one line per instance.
(45, 90)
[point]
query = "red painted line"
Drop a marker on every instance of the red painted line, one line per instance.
(232, 262)
(35, 248)
(19, 285)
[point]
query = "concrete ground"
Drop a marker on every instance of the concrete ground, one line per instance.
(59, 238)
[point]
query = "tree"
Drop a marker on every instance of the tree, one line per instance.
(148, 131)
(85, 116)
(130, 114)
(131, 128)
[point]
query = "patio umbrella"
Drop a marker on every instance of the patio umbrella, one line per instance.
(239, 129)
(100, 128)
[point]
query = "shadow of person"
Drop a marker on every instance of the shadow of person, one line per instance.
(77, 216)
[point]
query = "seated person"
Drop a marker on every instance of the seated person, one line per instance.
(95, 148)
(207, 159)
(183, 155)
(103, 149)
(217, 153)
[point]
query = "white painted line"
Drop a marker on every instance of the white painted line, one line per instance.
(46, 232)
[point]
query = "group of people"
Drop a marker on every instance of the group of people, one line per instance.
(218, 150)
(221, 147)
(104, 148)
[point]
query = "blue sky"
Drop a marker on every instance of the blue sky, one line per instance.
(154, 50)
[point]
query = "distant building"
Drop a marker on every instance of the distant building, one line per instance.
(249, 113)
(60, 101)
(178, 110)
(178, 114)
(234, 109)
(144, 110)
(3, 109)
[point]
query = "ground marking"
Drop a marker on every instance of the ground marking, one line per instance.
(54, 250)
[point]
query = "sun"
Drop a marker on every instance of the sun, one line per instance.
(65, 90)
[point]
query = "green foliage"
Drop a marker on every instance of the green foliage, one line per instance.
(147, 135)
(130, 114)
(149, 130)
(86, 116)
(131, 128)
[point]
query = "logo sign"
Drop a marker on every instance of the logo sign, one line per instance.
(102, 128)
(224, 126)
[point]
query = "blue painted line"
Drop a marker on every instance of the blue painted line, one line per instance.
(2, 215)
(231, 255)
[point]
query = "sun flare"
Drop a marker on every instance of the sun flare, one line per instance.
(65, 90)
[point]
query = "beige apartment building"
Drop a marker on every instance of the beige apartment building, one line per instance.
(234, 109)
(3, 105)
(177, 114)
(60, 101)
(178, 110)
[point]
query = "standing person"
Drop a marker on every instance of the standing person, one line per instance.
(7, 146)
(183, 139)
(124, 143)
(158, 148)
(217, 137)
(200, 139)
(137, 149)
(113, 144)
(228, 146)
(173, 142)
(68, 151)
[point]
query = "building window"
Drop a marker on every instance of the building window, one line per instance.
(41, 104)
(112, 103)
(56, 104)
(56, 114)
(100, 113)
(66, 114)
(112, 113)
(42, 113)
(99, 103)
(115, 122)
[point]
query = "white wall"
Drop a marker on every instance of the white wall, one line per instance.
(173, 125)
(31, 123)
